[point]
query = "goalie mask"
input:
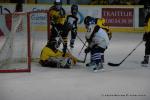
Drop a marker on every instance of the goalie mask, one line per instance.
(74, 9)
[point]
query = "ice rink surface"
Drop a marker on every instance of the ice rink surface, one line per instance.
(129, 81)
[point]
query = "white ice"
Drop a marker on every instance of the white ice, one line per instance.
(129, 81)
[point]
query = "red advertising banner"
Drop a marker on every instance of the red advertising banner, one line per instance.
(120, 17)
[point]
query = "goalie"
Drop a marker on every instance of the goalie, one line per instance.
(52, 57)
(98, 41)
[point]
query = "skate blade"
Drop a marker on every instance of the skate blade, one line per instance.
(145, 65)
(99, 70)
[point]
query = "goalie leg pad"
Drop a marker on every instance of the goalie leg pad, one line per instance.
(48, 63)
(66, 63)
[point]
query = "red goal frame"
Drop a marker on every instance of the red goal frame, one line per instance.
(29, 57)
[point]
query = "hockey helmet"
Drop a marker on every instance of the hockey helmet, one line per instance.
(89, 20)
(74, 9)
(57, 2)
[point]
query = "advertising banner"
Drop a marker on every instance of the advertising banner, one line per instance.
(120, 17)
(116, 16)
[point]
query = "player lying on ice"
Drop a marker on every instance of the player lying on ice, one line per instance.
(53, 57)
(98, 41)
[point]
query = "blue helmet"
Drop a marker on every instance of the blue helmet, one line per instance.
(90, 20)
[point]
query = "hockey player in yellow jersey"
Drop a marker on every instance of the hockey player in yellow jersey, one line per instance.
(57, 13)
(58, 30)
(146, 36)
(57, 18)
(52, 57)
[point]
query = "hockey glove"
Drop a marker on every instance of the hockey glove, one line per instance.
(87, 50)
(89, 40)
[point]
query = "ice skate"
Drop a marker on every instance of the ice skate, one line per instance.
(71, 46)
(99, 67)
(102, 58)
(145, 61)
(89, 64)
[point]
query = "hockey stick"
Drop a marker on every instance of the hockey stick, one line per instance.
(61, 38)
(80, 61)
(113, 64)
(84, 43)
(82, 48)
(84, 59)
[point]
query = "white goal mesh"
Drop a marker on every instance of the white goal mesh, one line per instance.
(23, 36)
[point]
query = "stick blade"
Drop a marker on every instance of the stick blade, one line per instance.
(112, 64)
(80, 61)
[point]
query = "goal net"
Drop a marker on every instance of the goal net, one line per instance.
(22, 36)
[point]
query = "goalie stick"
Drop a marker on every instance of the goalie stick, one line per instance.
(118, 64)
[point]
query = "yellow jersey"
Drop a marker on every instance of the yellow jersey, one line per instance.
(46, 53)
(56, 16)
(100, 23)
(147, 27)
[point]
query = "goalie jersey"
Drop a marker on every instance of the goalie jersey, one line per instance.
(46, 53)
